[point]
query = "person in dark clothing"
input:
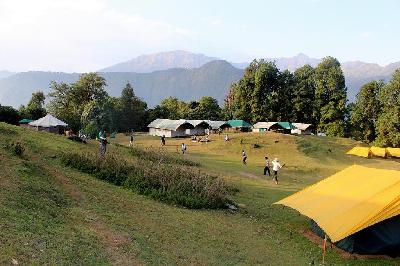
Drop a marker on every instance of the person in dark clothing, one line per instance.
(266, 168)
(131, 141)
(163, 140)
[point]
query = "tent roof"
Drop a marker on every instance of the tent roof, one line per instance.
(286, 125)
(360, 151)
(238, 123)
(25, 121)
(217, 124)
(301, 126)
(266, 125)
(395, 152)
(350, 200)
(197, 122)
(169, 124)
(380, 152)
(48, 121)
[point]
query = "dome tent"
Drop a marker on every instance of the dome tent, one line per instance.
(49, 123)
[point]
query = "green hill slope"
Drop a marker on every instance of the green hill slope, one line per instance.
(52, 214)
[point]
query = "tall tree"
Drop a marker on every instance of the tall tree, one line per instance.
(285, 94)
(388, 124)
(330, 97)
(303, 95)
(133, 110)
(9, 115)
(34, 110)
(365, 112)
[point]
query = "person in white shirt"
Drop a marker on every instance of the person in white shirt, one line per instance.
(183, 148)
(275, 167)
(244, 157)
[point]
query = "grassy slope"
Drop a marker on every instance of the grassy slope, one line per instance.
(50, 214)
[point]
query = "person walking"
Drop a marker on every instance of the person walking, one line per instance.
(275, 167)
(163, 140)
(183, 148)
(266, 168)
(103, 142)
(244, 157)
(131, 141)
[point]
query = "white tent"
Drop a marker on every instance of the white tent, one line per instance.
(48, 121)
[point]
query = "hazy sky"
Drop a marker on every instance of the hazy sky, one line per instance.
(86, 35)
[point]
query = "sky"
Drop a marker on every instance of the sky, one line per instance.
(87, 35)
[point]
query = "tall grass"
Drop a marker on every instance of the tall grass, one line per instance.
(166, 182)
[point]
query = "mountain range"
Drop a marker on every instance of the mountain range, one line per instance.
(185, 75)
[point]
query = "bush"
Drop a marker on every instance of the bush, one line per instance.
(16, 148)
(160, 156)
(168, 183)
(77, 139)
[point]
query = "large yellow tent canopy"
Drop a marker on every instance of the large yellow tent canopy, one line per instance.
(360, 151)
(350, 200)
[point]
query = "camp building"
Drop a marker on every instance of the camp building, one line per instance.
(358, 209)
(169, 128)
(216, 126)
(49, 123)
(199, 127)
(283, 127)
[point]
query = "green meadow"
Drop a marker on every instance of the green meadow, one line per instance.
(54, 214)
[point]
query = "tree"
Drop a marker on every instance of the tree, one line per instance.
(174, 108)
(330, 97)
(256, 95)
(388, 123)
(77, 103)
(9, 115)
(133, 110)
(284, 95)
(365, 112)
(303, 95)
(34, 110)
(206, 108)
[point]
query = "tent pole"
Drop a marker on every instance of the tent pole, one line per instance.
(324, 250)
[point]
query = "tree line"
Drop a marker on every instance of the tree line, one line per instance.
(309, 95)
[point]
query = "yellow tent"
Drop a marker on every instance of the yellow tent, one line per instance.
(393, 152)
(380, 152)
(350, 200)
(360, 151)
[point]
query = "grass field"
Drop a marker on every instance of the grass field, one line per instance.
(51, 214)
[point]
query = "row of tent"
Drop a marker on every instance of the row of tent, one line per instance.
(368, 152)
(182, 127)
(357, 208)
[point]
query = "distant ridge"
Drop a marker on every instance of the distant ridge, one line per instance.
(160, 61)
(185, 75)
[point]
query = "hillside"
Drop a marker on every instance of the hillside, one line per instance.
(212, 79)
(53, 214)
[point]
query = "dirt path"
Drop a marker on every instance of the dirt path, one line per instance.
(113, 242)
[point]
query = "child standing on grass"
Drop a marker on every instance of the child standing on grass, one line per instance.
(275, 167)
(163, 140)
(266, 168)
(244, 157)
(131, 141)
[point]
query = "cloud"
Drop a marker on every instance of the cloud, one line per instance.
(77, 35)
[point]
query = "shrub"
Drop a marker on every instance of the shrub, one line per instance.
(160, 156)
(16, 148)
(169, 183)
(77, 139)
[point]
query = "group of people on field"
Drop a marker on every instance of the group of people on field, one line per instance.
(276, 166)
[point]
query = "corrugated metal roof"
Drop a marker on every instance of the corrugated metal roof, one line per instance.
(198, 122)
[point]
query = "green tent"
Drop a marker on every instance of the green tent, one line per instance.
(25, 121)
(239, 123)
(286, 125)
